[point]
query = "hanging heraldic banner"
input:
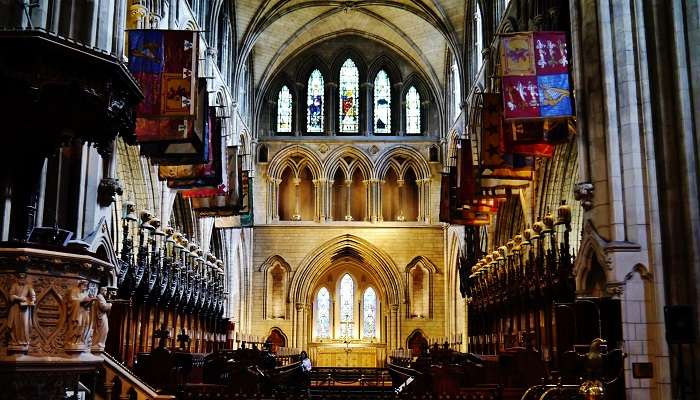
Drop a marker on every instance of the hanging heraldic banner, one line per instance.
(164, 63)
(535, 75)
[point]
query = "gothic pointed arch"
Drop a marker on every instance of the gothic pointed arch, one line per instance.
(370, 258)
(277, 272)
(282, 84)
(384, 62)
(296, 154)
(398, 156)
(348, 155)
(419, 287)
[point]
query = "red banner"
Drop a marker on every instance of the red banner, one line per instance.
(165, 65)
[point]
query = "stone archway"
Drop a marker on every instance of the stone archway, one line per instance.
(365, 258)
(416, 343)
(277, 339)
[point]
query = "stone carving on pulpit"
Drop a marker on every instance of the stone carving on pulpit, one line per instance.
(79, 328)
(101, 309)
(22, 300)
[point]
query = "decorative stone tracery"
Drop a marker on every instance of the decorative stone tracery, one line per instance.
(349, 186)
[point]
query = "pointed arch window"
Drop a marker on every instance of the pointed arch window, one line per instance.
(349, 91)
(369, 318)
(314, 103)
(347, 294)
(323, 314)
(412, 111)
(223, 42)
(478, 37)
(284, 110)
(456, 90)
(382, 103)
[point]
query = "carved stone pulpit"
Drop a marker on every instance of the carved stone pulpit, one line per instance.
(47, 304)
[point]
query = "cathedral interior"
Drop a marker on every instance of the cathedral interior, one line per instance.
(350, 199)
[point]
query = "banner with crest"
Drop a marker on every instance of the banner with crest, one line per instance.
(535, 75)
(164, 62)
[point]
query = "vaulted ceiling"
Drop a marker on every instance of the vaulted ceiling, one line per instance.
(422, 30)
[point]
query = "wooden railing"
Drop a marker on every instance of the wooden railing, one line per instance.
(118, 382)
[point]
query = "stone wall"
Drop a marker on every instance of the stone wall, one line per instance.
(398, 245)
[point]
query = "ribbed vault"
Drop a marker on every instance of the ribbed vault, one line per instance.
(272, 31)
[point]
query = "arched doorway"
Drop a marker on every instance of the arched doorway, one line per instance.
(416, 343)
(277, 339)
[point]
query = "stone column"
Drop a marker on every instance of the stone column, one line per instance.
(297, 200)
(368, 92)
(395, 328)
(300, 111)
(424, 199)
(299, 325)
(367, 184)
(331, 108)
(307, 328)
(421, 204)
(380, 201)
(465, 327)
(348, 200)
(400, 124)
(274, 196)
(402, 198)
(318, 201)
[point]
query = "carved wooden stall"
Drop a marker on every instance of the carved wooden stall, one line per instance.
(169, 290)
(522, 298)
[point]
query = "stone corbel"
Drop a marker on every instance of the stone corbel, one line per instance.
(615, 289)
(584, 192)
(107, 191)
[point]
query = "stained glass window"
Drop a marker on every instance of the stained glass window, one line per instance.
(284, 110)
(369, 304)
(349, 90)
(347, 292)
(223, 43)
(412, 111)
(323, 314)
(456, 90)
(478, 38)
(382, 103)
(314, 114)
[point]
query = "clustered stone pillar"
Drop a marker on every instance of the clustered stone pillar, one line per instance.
(400, 120)
(423, 199)
(331, 101)
(395, 326)
(297, 199)
(366, 184)
(348, 200)
(299, 326)
(401, 200)
(368, 88)
(273, 187)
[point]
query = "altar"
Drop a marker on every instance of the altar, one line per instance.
(355, 354)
